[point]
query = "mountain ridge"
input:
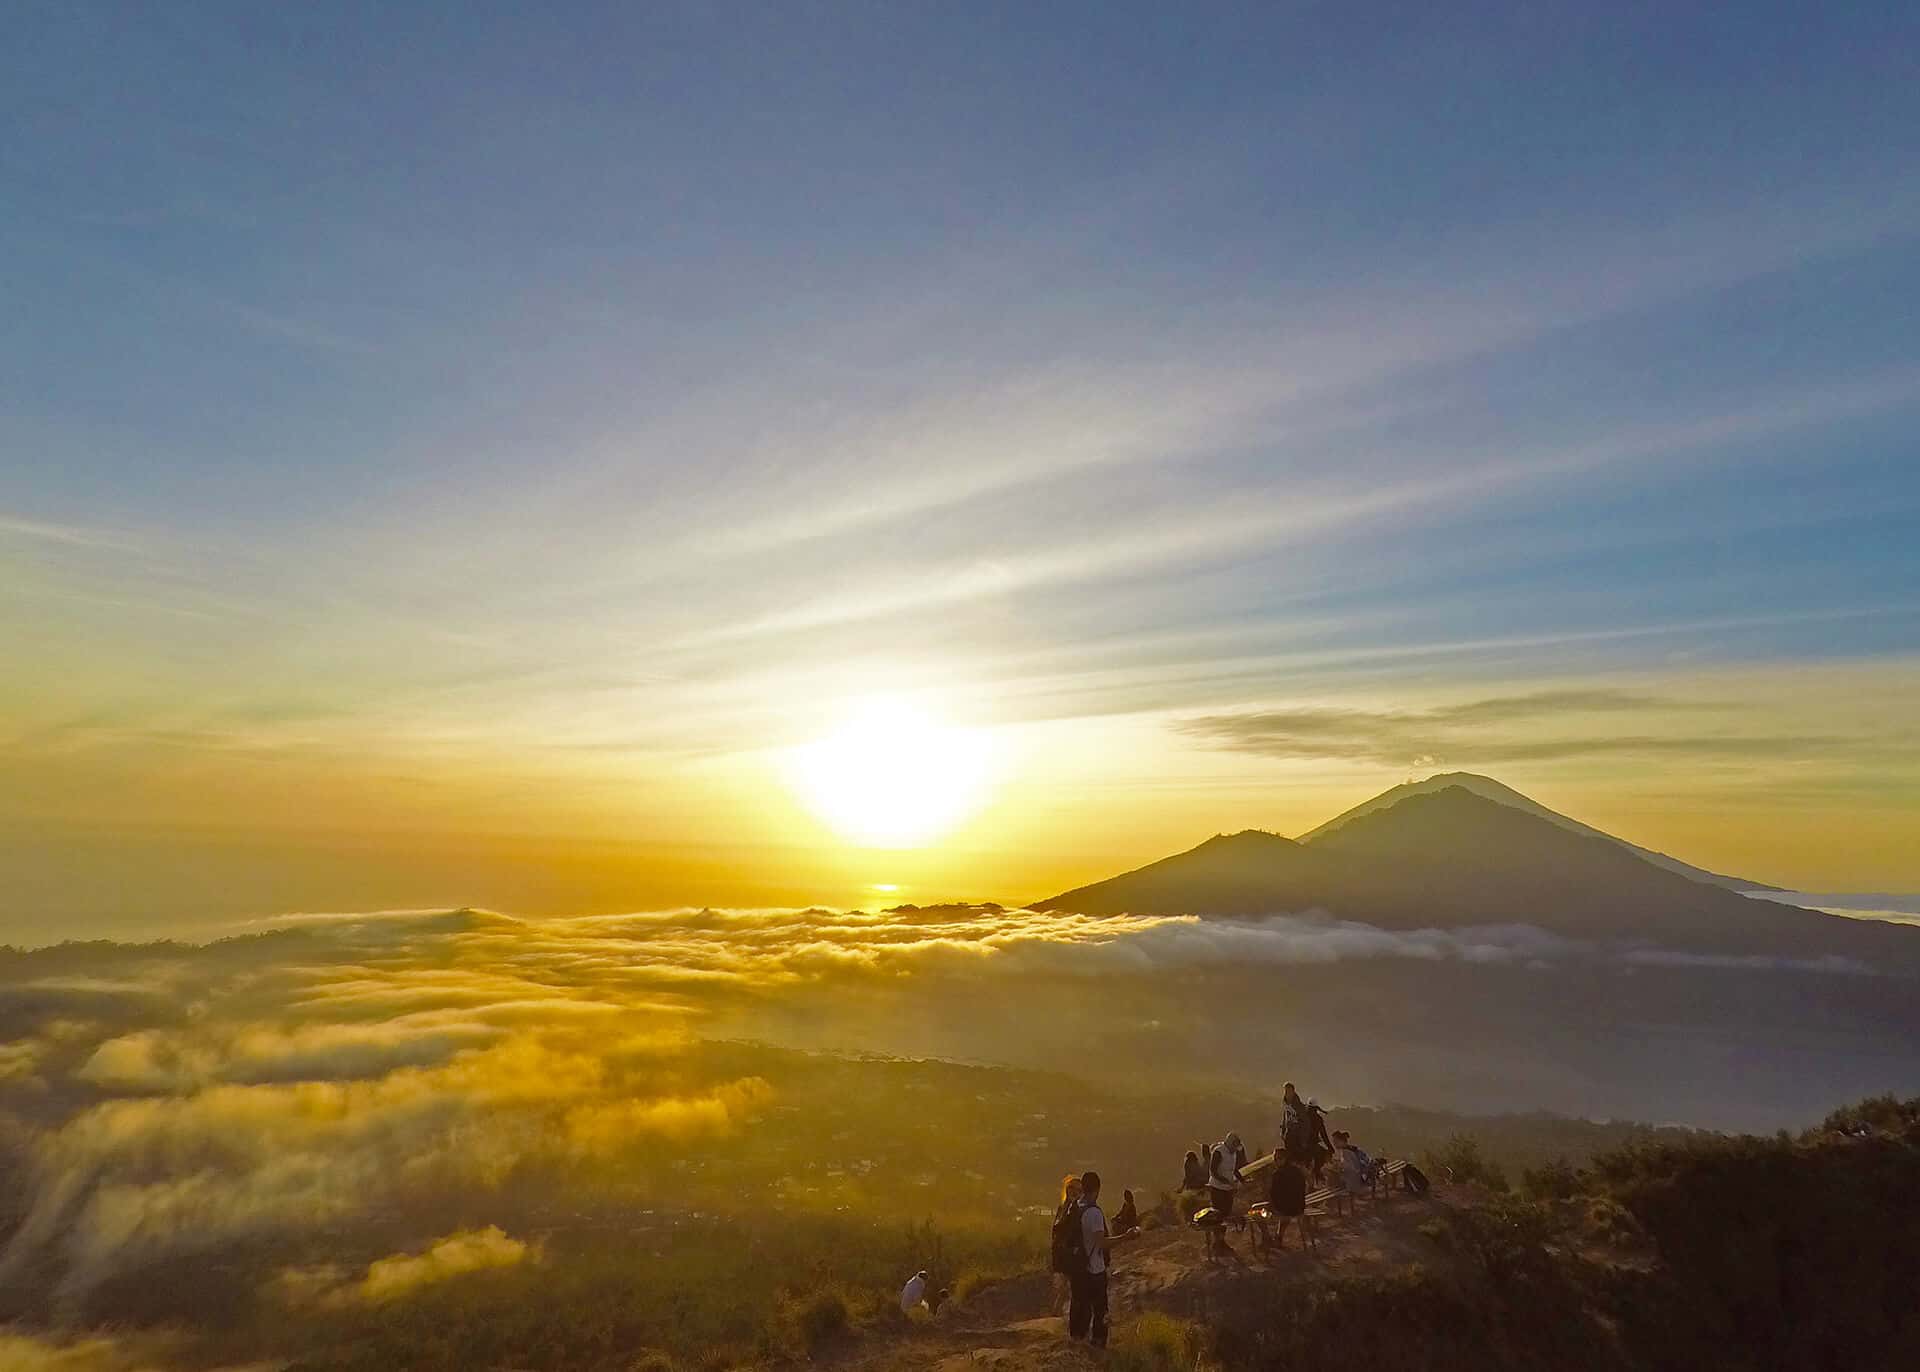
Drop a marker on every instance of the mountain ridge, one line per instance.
(1449, 857)
(1499, 792)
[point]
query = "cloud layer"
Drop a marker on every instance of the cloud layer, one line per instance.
(167, 1100)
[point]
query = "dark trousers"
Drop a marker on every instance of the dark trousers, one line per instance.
(1088, 1317)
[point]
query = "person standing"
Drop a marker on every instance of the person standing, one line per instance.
(1317, 1137)
(1287, 1200)
(1222, 1181)
(1088, 1318)
(1294, 1129)
(1065, 1256)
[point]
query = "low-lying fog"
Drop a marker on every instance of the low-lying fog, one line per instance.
(156, 1097)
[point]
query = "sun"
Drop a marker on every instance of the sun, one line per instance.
(892, 775)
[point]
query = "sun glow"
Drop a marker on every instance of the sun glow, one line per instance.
(893, 776)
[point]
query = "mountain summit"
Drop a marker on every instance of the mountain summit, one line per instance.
(1499, 792)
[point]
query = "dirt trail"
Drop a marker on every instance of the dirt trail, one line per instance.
(1006, 1326)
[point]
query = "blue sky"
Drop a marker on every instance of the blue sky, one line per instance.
(449, 384)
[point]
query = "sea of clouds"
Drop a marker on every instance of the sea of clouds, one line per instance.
(160, 1100)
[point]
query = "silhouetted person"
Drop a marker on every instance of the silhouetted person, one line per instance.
(1287, 1199)
(1317, 1138)
(1128, 1219)
(1295, 1131)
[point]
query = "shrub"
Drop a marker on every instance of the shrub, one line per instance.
(1423, 1319)
(1459, 1159)
(1791, 1254)
(1556, 1180)
(1882, 1115)
(804, 1326)
(970, 1283)
(1156, 1343)
(1610, 1222)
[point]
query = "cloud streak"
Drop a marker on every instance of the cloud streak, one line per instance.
(1484, 730)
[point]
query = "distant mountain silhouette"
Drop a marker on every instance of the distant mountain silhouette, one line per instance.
(1489, 789)
(1449, 857)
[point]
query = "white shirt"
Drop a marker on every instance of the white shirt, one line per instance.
(914, 1292)
(1224, 1166)
(1093, 1228)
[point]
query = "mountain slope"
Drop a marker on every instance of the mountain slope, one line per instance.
(1451, 858)
(1229, 874)
(1489, 789)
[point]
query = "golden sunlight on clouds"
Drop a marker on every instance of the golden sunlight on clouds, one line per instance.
(893, 775)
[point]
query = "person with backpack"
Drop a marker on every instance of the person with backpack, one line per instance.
(1088, 1317)
(1295, 1131)
(1066, 1217)
(1223, 1180)
(1356, 1167)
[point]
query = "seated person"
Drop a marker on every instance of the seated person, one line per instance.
(1356, 1168)
(1128, 1218)
(1287, 1201)
(1194, 1175)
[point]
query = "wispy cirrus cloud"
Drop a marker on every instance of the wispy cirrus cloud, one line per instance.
(1496, 729)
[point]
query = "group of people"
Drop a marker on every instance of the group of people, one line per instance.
(1306, 1147)
(1083, 1243)
(1084, 1238)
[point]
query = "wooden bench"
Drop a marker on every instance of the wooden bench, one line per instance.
(1259, 1218)
(1214, 1226)
(1262, 1221)
(1388, 1176)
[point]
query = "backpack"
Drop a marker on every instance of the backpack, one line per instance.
(1070, 1240)
(1416, 1180)
(1297, 1136)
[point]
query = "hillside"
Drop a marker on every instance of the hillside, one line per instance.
(1165, 1274)
(1450, 857)
(1489, 789)
(1738, 1254)
(1463, 858)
